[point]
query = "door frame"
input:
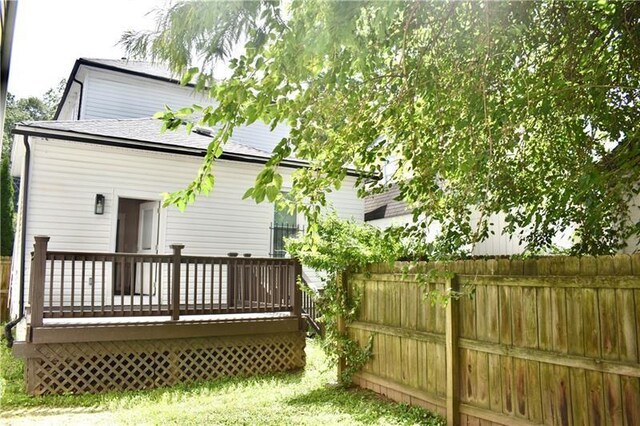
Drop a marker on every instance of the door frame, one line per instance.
(137, 195)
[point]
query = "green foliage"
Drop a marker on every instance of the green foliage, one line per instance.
(29, 109)
(6, 209)
(274, 399)
(334, 247)
(529, 109)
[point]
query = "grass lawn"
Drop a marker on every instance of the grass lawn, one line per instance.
(302, 398)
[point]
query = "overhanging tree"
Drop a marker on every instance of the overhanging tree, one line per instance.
(530, 109)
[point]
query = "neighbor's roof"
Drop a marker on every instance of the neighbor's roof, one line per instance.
(385, 205)
(143, 133)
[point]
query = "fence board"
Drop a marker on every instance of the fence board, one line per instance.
(559, 318)
(534, 393)
(5, 274)
(595, 398)
(504, 302)
(432, 367)
(546, 383)
(493, 314)
(507, 385)
(562, 393)
(482, 379)
(441, 370)
(482, 313)
(495, 384)
(591, 323)
(580, 408)
(613, 399)
(627, 330)
(631, 392)
(520, 382)
(575, 337)
(608, 323)
(408, 305)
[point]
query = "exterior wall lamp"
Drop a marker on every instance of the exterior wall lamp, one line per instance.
(99, 208)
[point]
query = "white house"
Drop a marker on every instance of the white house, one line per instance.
(92, 179)
(386, 210)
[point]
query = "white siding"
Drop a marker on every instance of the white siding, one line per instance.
(497, 244)
(66, 176)
(633, 244)
(117, 95)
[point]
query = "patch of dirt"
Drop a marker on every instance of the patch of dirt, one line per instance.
(57, 417)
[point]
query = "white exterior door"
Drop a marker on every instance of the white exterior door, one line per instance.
(147, 244)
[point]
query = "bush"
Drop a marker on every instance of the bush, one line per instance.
(333, 246)
(6, 209)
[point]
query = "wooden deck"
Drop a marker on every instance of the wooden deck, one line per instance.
(202, 318)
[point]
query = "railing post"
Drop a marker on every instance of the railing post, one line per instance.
(297, 293)
(175, 281)
(452, 355)
(36, 286)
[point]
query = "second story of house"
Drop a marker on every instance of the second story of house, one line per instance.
(122, 89)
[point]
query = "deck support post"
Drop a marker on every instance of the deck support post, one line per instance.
(175, 281)
(36, 286)
(297, 294)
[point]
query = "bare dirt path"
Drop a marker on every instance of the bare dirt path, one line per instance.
(57, 417)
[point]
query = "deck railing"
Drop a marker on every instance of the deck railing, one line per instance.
(309, 307)
(77, 284)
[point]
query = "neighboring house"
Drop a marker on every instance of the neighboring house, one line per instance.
(386, 210)
(93, 178)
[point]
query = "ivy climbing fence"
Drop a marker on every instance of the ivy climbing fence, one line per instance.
(549, 341)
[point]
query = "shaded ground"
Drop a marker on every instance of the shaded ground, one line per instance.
(302, 398)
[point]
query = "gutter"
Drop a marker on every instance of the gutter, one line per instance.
(75, 80)
(69, 135)
(67, 89)
(25, 197)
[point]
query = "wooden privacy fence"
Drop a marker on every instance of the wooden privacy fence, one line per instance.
(550, 341)
(5, 273)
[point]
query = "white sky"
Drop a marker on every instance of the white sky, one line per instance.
(51, 34)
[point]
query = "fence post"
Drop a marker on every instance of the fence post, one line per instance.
(36, 286)
(175, 281)
(452, 355)
(5, 272)
(297, 293)
(341, 288)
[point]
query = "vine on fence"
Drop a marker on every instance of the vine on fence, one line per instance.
(338, 248)
(333, 247)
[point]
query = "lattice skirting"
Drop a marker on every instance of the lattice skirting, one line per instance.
(95, 367)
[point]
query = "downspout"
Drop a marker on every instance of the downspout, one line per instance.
(25, 196)
(75, 80)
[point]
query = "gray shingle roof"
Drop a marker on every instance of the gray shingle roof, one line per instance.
(385, 205)
(144, 130)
